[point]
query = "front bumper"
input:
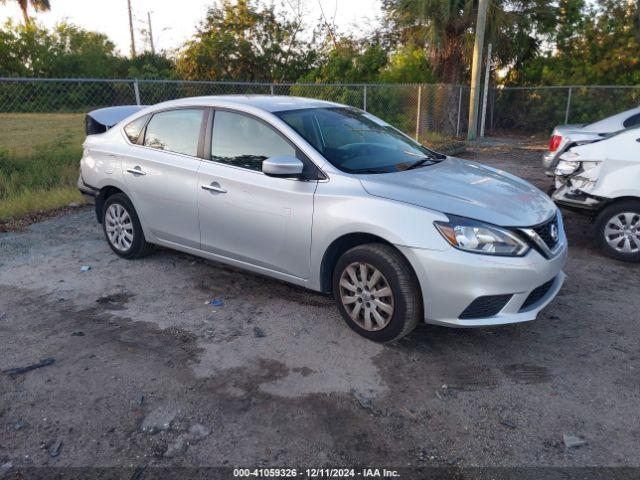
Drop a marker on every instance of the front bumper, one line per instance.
(451, 280)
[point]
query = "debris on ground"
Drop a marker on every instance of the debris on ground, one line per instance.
(54, 448)
(85, 268)
(138, 473)
(258, 332)
(508, 424)
(140, 399)
(198, 432)
(215, 302)
(571, 441)
(12, 372)
(2, 315)
(77, 333)
(19, 425)
(4, 469)
(364, 401)
(158, 420)
(178, 446)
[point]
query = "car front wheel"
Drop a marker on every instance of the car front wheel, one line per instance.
(618, 230)
(376, 292)
(122, 227)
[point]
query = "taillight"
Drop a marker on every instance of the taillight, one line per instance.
(554, 143)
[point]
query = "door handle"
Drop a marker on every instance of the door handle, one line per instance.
(136, 171)
(214, 187)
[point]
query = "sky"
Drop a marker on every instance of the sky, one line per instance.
(175, 22)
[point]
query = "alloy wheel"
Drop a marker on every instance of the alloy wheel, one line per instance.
(119, 227)
(622, 232)
(366, 295)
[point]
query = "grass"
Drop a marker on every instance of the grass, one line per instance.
(39, 158)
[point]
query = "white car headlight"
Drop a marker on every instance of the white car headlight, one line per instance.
(477, 237)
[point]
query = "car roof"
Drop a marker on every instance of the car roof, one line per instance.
(269, 103)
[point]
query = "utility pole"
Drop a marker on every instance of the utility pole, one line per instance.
(153, 48)
(476, 70)
(133, 40)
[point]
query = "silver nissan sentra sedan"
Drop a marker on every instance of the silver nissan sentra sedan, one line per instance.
(331, 198)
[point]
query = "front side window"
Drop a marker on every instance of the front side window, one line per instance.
(244, 141)
(357, 142)
(134, 129)
(175, 131)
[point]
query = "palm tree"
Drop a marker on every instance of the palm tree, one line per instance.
(446, 29)
(37, 5)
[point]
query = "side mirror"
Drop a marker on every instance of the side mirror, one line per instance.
(285, 166)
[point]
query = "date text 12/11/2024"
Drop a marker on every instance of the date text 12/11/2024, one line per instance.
(315, 473)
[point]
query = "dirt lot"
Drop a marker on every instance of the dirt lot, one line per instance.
(146, 373)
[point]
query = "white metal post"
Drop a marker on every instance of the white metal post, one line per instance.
(566, 112)
(486, 91)
(459, 111)
(136, 90)
(364, 99)
(418, 112)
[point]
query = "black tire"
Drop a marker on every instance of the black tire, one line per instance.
(398, 274)
(139, 246)
(606, 216)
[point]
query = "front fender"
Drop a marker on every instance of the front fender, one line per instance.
(346, 209)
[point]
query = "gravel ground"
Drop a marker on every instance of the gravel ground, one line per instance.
(146, 373)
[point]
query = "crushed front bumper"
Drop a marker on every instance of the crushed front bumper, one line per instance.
(451, 281)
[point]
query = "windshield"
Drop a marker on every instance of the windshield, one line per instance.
(357, 142)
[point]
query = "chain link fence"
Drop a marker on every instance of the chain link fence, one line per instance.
(530, 110)
(423, 111)
(418, 110)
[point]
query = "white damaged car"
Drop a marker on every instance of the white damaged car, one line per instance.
(564, 137)
(602, 179)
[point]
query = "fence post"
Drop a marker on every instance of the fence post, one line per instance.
(364, 98)
(459, 111)
(271, 89)
(418, 112)
(486, 91)
(136, 90)
(566, 112)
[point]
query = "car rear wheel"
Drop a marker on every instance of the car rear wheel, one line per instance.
(618, 230)
(122, 228)
(376, 292)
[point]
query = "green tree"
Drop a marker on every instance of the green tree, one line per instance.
(65, 51)
(349, 60)
(445, 29)
(37, 5)
(245, 41)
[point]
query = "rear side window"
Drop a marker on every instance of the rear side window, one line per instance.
(244, 141)
(134, 129)
(175, 131)
(632, 121)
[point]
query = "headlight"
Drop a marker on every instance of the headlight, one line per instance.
(566, 167)
(477, 237)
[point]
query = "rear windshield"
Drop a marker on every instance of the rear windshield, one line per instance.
(357, 142)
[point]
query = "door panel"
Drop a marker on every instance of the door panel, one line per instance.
(163, 184)
(260, 220)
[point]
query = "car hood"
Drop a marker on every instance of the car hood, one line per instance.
(465, 188)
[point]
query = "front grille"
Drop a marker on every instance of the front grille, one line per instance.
(544, 231)
(537, 294)
(486, 306)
